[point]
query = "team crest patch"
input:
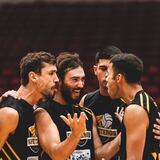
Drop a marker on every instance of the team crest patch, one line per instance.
(84, 138)
(104, 121)
(105, 130)
(32, 140)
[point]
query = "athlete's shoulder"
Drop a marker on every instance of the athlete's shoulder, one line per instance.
(11, 102)
(91, 96)
(8, 101)
(84, 109)
(119, 102)
(144, 100)
(44, 103)
(9, 117)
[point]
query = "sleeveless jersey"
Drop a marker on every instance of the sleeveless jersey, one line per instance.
(23, 143)
(104, 109)
(152, 146)
(85, 148)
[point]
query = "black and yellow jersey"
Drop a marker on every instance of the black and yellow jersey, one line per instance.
(85, 147)
(104, 109)
(23, 143)
(152, 146)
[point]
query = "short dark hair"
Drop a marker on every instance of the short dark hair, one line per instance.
(107, 53)
(129, 65)
(67, 61)
(34, 62)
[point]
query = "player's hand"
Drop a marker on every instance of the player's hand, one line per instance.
(119, 113)
(77, 125)
(156, 129)
(9, 93)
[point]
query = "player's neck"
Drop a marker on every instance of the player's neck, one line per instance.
(103, 91)
(130, 92)
(59, 98)
(29, 94)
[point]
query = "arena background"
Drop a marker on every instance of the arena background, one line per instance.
(81, 26)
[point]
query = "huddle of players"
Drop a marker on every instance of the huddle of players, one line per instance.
(67, 129)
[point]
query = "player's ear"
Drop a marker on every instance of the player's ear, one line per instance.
(119, 77)
(33, 76)
(95, 69)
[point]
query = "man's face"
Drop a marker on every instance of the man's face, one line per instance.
(47, 80)
(100, 71)
(73, 84)
(112, 85)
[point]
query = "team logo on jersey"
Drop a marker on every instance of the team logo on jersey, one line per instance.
(84, 138)
(32, 140)
(105, 127)
(105, 120)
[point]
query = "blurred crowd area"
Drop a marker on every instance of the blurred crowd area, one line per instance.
(83, 28)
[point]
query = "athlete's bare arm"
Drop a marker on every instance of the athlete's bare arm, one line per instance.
(49, 137)
(108, 150)
(136, 123)
(8, 123)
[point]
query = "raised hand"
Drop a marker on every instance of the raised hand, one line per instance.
(119, 113)
(12, 93)
(77, 125)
